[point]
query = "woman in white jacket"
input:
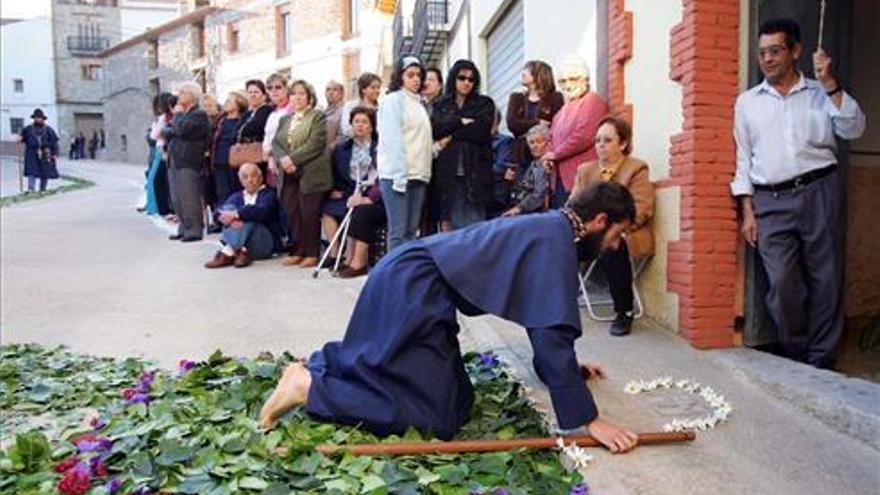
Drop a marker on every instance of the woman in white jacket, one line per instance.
(404, 152)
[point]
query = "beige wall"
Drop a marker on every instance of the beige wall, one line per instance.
(657, 115)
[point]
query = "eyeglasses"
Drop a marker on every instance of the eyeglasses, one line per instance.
(464, 78)
(773, 51)
(275, 86)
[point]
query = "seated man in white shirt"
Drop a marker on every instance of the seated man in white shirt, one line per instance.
(251, 228)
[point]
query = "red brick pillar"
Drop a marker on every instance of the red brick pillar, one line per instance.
(620, 49)
(701, 266)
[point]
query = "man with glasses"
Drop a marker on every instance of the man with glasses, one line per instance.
(790, 191)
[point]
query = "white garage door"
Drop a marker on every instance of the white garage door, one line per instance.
(505, 56)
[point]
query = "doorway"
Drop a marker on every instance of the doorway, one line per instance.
(853, 42)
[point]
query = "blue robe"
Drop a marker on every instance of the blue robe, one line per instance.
(399, 364)
(37, 164)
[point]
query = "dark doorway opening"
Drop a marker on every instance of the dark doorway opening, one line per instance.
(852, 39)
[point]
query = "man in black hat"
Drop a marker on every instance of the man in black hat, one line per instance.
(41, 150)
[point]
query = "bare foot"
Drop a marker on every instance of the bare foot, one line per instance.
(291, 391)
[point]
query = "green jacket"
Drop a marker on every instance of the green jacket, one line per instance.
(308, 150)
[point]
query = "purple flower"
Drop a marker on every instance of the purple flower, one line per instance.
(489, 359)
(500, 491)
(96, 464)
(113, 486)
(579, 489)
(144, 490)
(139, 398)
(147, 378)
(92, 443)
(97, 423)
(185, 365)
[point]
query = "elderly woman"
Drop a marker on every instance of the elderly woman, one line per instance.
(369, 86)
(573, 127)
(250, 222)
(613, 146)
(279, 97)
(464, 164)
(404, 153)
(225, 135)
(303, 164)
(188, 137)
(354, 171)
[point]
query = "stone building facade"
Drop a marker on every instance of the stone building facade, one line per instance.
(224, 44)
(81, 30)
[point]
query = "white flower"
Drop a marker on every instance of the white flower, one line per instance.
(573, 457)
(721, 409)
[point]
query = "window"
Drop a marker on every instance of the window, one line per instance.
(153, 54)
(154, 86)
(199, 40)
(232, 31)
(16, 124)
(123, 142)
(18, 85)
(284, 30)
(92, 72)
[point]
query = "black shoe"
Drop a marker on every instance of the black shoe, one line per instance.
(190, 239)
(621, 325)
(215, 228)
(175, 237)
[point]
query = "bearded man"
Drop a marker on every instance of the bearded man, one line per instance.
(400, 365)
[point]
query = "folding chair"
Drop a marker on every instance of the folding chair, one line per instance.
(595, 292)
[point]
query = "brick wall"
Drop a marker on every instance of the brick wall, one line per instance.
(620, 46)
(702, 265)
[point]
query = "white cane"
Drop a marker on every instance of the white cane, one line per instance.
(339, 231)
(821, 23)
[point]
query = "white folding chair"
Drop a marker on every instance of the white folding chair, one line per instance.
(595, 292)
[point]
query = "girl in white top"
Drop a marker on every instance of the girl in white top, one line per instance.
(404, 152)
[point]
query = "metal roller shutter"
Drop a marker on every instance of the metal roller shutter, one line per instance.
(505, 56)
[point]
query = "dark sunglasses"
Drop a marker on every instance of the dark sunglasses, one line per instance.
(275, 86)
(464, 78)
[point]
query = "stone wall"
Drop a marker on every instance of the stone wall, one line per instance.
(128, 104)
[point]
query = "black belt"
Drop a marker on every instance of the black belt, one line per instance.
(798, 182)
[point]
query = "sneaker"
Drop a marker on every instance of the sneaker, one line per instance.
(622, 325)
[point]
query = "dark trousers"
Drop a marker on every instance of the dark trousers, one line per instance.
(617, 268)
(225, 182)
(799, 242)
(303, 215)
(187, 198)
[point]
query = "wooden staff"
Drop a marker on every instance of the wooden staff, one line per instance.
(457, 447)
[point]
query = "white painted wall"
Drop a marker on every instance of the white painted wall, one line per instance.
(27, 55)
(137, 17)
(655, 98)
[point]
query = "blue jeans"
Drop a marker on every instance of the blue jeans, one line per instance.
(404, 211)
(461, 211)
(256, 237)
(152, 206)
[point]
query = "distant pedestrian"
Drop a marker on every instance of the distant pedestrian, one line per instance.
(40, 151)
(72, 153)
(80, 145)
(93, 145)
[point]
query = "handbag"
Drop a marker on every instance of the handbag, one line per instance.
(241, 153)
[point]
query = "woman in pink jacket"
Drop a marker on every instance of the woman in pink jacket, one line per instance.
(573, 128)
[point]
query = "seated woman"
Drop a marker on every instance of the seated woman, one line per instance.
(354, 170)
(531, 188)
(251, 229)
(399, 365)
(613, 145)
(367, 219)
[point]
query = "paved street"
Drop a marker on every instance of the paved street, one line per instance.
(85, 269)
(9, 185)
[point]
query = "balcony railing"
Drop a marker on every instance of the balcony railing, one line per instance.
(430, 19)
(87, 45)
(402, 27)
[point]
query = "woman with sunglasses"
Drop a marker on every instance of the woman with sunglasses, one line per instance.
(279, 97)
(462, 122)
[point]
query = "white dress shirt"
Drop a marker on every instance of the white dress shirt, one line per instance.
(781, 137)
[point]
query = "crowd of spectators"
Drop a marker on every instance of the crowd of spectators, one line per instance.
(274, 174)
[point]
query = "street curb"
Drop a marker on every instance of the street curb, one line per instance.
(848, 405)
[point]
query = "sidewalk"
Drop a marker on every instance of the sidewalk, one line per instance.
(779, 440)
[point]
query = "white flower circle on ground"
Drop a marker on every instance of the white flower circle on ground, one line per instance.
(721, 409)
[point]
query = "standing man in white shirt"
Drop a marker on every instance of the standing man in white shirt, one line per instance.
(790, 190)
